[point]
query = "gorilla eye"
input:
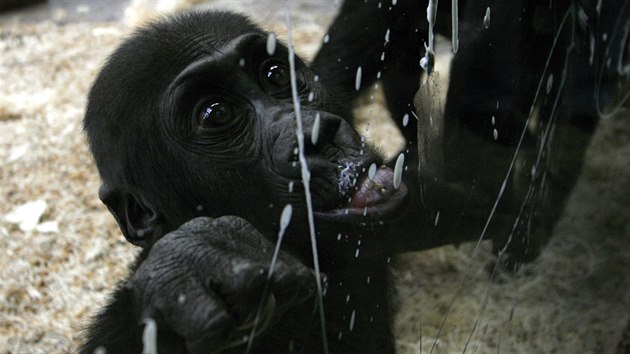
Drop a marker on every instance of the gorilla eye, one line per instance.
(214, 114)
(278, 75)
(275, 77)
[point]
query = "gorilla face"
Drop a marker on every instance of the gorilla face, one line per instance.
(197, 118)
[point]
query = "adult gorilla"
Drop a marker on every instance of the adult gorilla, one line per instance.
(193, 117)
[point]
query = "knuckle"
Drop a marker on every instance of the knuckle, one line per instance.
(247, 270)
(305, 274)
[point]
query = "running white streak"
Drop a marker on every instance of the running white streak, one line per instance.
(305, 176)
(455, 22)
(285, 219)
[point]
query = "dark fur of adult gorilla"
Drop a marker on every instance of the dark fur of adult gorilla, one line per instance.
(193, 130)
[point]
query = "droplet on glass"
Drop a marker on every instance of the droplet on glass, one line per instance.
(352, 320)
(372, 171)
(424, 64)
(455, 25)
(149, 336)
(326, 38)
(315, 131)
(271, 43)
(357, 81)
(549, 83)
(486, 18)
(400, 162)
(495, 134)
(285, 217)
(405, 120)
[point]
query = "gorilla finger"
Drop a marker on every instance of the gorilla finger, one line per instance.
(292, 284)
(254, 325)
(195, 313)
(242, 289)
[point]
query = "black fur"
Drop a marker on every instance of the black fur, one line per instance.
(204, 198)
(161, 167)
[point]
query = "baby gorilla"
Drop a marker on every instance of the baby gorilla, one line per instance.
(193, 130)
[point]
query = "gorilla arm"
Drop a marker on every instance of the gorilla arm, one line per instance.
(202, 285)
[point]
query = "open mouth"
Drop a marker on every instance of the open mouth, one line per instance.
(374, 197)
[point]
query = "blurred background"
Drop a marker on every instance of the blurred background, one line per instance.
(61, 252)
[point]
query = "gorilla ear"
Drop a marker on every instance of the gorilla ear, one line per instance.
(138, 221)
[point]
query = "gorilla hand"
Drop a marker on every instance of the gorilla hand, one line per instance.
(206, 280)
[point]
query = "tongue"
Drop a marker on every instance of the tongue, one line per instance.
(373, 191)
